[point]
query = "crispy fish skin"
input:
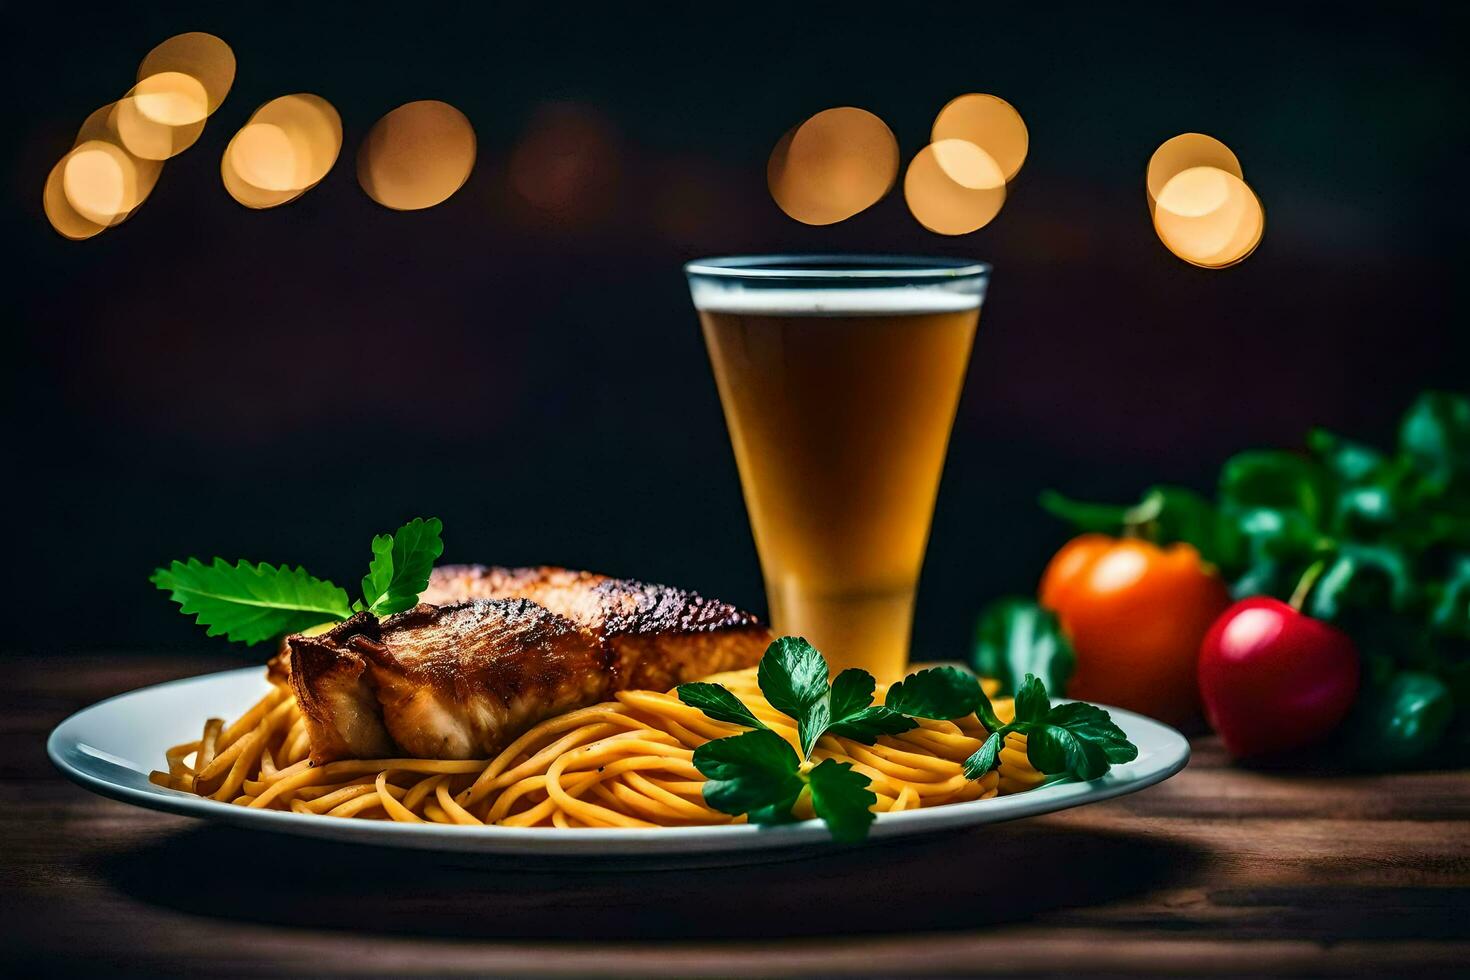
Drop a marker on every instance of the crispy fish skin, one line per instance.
(457, 681)
(663, 636)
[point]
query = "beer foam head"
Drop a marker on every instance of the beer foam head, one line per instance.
(836, 285)
(885, 300)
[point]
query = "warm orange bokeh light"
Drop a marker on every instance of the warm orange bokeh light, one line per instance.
(136, 116)
(953, 187)
(202, 57)
(1183, 152)
(171, 98)
(263, 156)
(99, 181)
(119, 151)
(313, 129)
(242, 191)
(59, 211)
(1209, 217)
(836, 164)
(989, 122)
(286, 148)
(416, 156)
(107, 164)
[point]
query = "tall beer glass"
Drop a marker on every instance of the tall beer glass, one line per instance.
(839, 377)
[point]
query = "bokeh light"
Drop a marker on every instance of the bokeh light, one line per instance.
(263, 156)
(140, 118)
(202, 57)
(839, 162)
(954, 187)
(1203, 209)
(119, 151)
(990, 123)
(416, 156)
(59, 211)
(99, 181)
(171, 98)
(241, 190)
(285, 149)
(1209, 217)
(99, 164)
(1187, 150)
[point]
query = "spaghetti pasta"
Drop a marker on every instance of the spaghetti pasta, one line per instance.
(623, 763)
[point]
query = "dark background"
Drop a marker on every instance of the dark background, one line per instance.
(523, 361)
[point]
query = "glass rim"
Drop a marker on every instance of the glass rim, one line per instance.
(835, 267)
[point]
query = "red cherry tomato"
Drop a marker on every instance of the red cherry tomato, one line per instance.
(1273, 679)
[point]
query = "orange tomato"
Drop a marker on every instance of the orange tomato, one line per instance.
(1135, 613)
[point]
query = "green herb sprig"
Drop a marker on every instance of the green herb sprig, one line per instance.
(1075, 738)
(759, 774)
(251, 603)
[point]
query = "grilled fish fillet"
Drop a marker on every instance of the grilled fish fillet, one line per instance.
(450, 682)
(490, 652)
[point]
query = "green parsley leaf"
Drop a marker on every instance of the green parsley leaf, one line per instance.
(793, 677)
(983, 758)
(380, 572)
(852, 691)
(1399, 721)
(1363, 576)
(1278, 480)
(841, 797)
(1353, 462)
(749, 771)
(851, 712)
(1435, 436)
(1276, 534)
(866, 725)
(718, 703)
(1015, 637)
(401, 564)
(1053, 749)
(1032, 704)
(250, 603)
(1076, 739)
(1452, 612)
(778, 812)
(939, 692)
(1088, 721)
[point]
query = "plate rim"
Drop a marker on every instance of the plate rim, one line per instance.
(611, 841)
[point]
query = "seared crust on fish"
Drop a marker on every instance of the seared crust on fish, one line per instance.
(490, 652)
(663, 636)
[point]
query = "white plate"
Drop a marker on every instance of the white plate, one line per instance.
(111, 747)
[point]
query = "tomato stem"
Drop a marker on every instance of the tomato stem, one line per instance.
(1141, 520)
(1305, 583)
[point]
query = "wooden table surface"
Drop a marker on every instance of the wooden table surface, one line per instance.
(1219, 871)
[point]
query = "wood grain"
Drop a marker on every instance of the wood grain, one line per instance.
(1219, 871)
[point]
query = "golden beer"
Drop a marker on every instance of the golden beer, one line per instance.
(839, 389)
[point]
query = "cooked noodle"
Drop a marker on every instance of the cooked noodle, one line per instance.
(623, 763)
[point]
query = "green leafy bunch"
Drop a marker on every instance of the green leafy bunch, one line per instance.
(1375, 541)
(250, 603)
(758, 773)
